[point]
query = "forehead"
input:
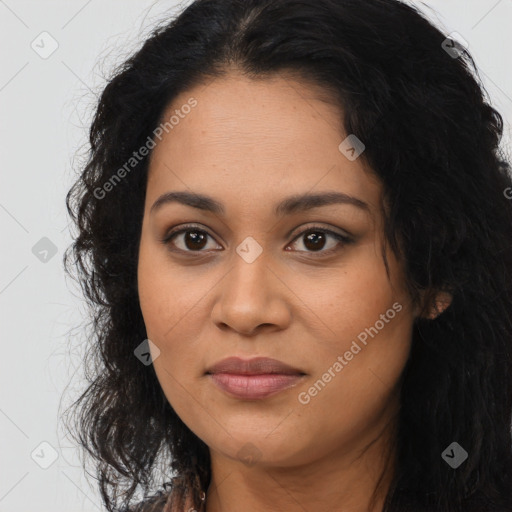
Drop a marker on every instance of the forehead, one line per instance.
(256, 140)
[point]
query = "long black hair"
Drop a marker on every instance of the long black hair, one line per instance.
(414, 97)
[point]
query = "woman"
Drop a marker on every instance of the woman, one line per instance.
(295, 232)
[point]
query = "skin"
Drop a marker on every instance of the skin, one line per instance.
(250, 144)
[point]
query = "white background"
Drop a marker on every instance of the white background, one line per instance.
(46, 105)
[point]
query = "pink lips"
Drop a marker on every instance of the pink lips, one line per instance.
(253, 379)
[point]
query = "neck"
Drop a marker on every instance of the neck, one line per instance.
(354, 480)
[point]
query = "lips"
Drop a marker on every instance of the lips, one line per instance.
(255, 366)
(253, 379)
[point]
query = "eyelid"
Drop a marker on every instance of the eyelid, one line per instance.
(342, 239)
(178, 230)
(315, 226)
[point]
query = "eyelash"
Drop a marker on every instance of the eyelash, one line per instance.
(343, 239)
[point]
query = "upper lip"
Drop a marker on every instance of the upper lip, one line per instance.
(255, 366)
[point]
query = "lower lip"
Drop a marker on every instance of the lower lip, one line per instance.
(254, 387)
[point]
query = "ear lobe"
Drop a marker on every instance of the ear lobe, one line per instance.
(440, 303)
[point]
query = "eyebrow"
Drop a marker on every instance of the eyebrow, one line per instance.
(292, 204)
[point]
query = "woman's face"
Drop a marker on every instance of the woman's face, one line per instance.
(250, 278)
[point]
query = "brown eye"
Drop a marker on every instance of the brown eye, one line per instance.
(315, 240)
(195, 240)
(187, 239)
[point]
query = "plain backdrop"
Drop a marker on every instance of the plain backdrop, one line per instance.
(46, 103)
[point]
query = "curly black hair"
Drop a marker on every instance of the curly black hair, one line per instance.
(414, 96)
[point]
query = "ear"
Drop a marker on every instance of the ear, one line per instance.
(436, 305)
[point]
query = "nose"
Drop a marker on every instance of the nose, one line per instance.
(252, 296)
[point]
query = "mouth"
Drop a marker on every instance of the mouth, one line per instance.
(253, 379)
(254, 366)
(254, 387)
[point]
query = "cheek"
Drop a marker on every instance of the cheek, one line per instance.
(353, 298)
(167, 301)
(367, 322)
(167, 295)
(167, 314)
(356, 369)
